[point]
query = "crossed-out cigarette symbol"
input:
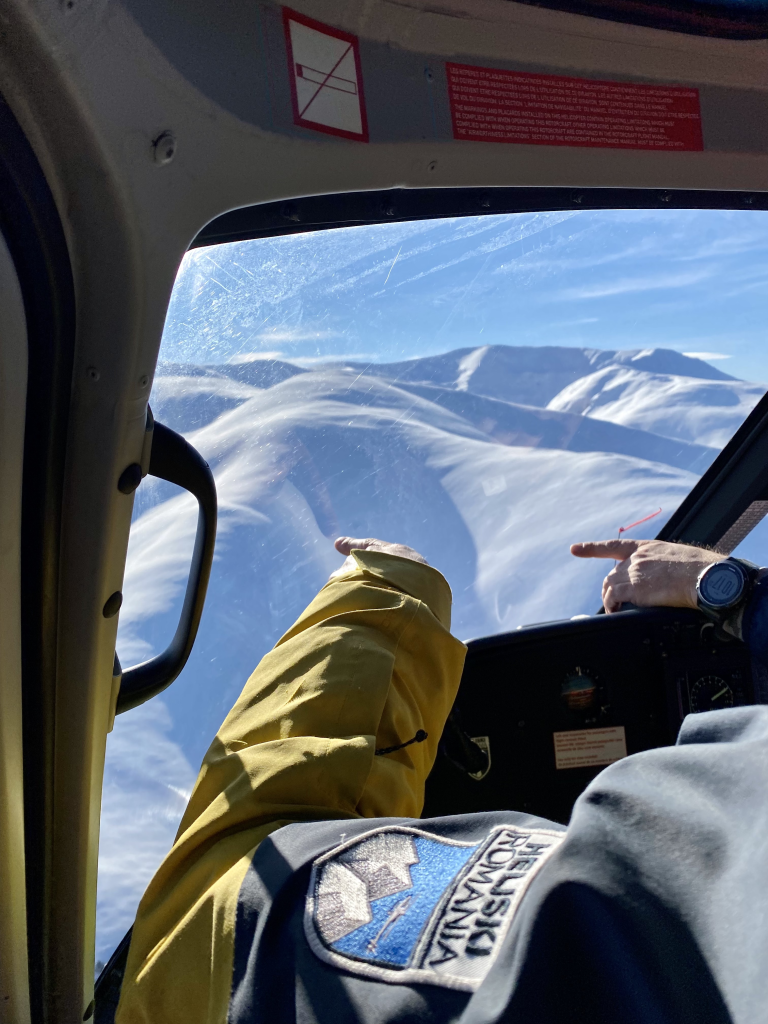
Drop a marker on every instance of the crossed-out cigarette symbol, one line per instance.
(325, 80)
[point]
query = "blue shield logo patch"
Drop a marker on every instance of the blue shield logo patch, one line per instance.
(401, 905)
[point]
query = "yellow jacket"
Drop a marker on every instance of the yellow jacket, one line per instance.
(369, 664)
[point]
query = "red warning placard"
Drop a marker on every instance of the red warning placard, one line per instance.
(489, 105)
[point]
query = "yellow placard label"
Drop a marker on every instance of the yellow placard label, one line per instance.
(585, 748)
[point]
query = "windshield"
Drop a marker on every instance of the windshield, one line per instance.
(487, 390)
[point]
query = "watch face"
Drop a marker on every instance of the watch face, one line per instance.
(721, 585)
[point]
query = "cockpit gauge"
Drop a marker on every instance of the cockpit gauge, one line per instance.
(579, 690)
(709, 693)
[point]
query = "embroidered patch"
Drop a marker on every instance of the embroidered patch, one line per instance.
(405, 906)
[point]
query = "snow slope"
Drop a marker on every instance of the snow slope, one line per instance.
(481, 459)
(707, 411)
(332, 452)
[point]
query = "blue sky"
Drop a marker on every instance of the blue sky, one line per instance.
(695, 281)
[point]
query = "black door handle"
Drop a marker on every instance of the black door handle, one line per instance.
(175, 460)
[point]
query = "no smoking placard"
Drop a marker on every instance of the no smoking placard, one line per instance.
(326, 81)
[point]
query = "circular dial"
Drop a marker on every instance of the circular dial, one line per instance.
(579, 690)
(710, 693)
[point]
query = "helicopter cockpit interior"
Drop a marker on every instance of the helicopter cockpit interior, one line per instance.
(482, 277)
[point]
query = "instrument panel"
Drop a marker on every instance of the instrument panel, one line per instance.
(541, 711)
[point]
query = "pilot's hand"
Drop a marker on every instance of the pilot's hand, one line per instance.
(344, 545)
(650, 573)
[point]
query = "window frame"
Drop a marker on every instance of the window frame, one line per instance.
(688, 16)
(349, 209)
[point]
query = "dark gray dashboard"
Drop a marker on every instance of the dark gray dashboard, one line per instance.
(542, 710)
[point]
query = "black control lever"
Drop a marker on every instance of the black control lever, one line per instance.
(462, 751)
(175, 460)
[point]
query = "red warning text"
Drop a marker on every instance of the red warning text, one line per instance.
(489, 105)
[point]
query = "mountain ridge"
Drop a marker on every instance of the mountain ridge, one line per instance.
(615, 386)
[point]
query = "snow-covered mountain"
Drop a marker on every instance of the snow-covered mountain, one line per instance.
(490, 461)
(654, 390)
(707, 411)
(533, 375)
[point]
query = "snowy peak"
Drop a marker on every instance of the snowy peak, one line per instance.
(688, 408)
(663, 360)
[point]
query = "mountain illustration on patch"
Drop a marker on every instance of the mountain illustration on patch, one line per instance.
(378, 867)
(373, 899)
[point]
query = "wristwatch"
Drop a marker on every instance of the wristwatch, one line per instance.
(723, 587)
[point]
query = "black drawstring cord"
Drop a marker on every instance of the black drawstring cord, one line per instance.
(418, 738)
